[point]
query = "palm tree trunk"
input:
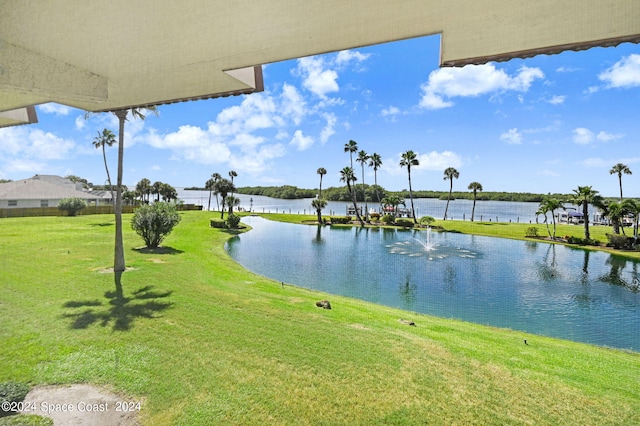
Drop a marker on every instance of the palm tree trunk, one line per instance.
(104, 157)
(585, 215)
(413, 211)
(473, 209)
(118, 261)
(355, 205)
(446, 209)
(209, 203)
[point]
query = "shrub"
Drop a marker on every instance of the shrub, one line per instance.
(72, 205)
(619, 241)
(374, 216)
(405, 223)
(340, 220)
(154, 222)
(582, 241)
(531, 231)
(13, 392)
(232, 221)
(427, 220)
(388, 219)
(218, 223)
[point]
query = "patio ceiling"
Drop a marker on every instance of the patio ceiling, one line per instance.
(107, 55)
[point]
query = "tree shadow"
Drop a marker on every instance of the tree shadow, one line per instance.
(101, 224)
(120, 311)
(158, 250)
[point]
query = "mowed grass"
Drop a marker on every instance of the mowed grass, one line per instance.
(202, 341)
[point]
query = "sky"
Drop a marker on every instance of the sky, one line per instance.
(544, 124)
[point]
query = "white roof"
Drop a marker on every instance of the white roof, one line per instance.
(109, 55)
(36, 189)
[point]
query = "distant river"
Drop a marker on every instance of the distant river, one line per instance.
(494, 211)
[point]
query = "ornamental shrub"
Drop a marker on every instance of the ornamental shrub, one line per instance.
(153, 222)
(218, 223)
(232, 221)
(619, 241)
(374, 216)
(13, 392)
(427, 220)
(531, 231)
(340, 220)
(72, 205)
(388, 219)
(405, 223)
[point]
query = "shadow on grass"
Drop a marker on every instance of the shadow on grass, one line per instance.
(158, 250)
(118, 310)
(102, 224)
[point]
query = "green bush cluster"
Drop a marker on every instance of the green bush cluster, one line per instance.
(619, 241)
(72, 205)
(218, 223)
(583, 241)
(531, 231)
(405, 223)
(340, 220)
(13, 392)
(233, 220)
(388, 219)
(374, 216)
(427, 220)
(153, 222)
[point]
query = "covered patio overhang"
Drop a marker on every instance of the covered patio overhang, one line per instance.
(110, 55)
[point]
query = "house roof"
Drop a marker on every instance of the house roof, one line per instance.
(109, 55)
(37, 189)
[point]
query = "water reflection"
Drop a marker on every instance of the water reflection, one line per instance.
(538, 287)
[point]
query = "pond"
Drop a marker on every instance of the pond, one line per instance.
(541, 288)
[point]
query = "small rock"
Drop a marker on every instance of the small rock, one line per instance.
(324, 304)
(408, 322)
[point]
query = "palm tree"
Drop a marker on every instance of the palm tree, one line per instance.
(319, 204)
(619, 169)
(209, 185)
(393, 201)
(233, 174)
(232, 202)
(363, 157)
(168, 192)
(449, 174)
(347, 175)
(475, 187)
(351, 147)
(156, 188)
(616, 212)
(106, 138)
(224, 187)
(633, 207)
(321, 171)
(119, 262)
(375, 161)
(550, 204)
(583, 196)
(144, 189)
(409, 159)
(216, 177)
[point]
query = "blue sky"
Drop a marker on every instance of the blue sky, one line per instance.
(543, 124)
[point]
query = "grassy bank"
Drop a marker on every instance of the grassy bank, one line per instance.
(200, 340)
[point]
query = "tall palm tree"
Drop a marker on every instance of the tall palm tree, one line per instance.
(449, 174)
(233, 174)
(156, 188)
(209, 185)
(375, 161)
(409, 159)
(319, 204)
(106, 138)
(393, 201)
(583, 196)
(232, 202)
(550, 205)
(224, 187)
(144, 189)
(363, 157)
(347, 175)
(475, 187)
(119, 262)
(619, 169)
(168, 192)
(633, 207)
(321, 171)
(615, 211)
(351, 147)
(216, 177)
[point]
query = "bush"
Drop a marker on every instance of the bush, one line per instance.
(531, 231)
(154, 222)
(583, 241)
(619, 241)
(405, 223)
(26, 420)
(13, 392)
(232, 221)
(218, 223)
(72, 205)
(388, 219)
(427, 220)
(340, 220)
(374, 216)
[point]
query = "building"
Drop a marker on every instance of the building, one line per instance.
(45, 191)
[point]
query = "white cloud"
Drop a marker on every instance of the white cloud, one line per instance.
(582, 135)
(80, 122)
(601, 162)
(328, 129)
(608, 137)
(512, 137)
(53, 108)
(293, 105)
(547, 172)
(557, 100)
(624, 73)
(473, 80)
(391, 111)
(34, 144)
(300, 141)
(347, 56)
(25, 166)
(439, 160)
(316, 78)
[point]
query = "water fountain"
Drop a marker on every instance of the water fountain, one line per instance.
(416, 247)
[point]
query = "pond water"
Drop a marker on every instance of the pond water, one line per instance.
(536, 287)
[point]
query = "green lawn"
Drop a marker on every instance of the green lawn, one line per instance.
(201, 341)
